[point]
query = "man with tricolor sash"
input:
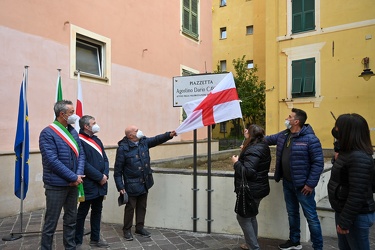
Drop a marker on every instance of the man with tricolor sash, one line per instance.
(63, 160)
(95, 185)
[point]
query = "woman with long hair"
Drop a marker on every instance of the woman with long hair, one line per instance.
(350, 186)
(254, 162)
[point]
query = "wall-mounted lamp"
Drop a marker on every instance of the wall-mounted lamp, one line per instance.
(367, 73)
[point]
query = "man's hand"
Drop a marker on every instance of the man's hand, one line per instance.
(173, 134)
(341, 231)
(104, 180)
(122, 191)
(306, 190)
(78, 181)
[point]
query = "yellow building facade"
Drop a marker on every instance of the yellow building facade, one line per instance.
(310, 54)
(328, 41)
(238, 30)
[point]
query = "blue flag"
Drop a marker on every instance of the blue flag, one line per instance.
(21, 145)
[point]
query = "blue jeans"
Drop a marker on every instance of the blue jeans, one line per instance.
(249, 228)
(358, 236)
(95, 218)
(293, 197)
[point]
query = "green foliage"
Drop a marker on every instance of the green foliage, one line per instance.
(251, 92)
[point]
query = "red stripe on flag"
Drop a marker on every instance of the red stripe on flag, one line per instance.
(79, 110)
(212, 99)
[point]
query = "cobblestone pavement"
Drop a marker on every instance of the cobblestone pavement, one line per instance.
(166, 239)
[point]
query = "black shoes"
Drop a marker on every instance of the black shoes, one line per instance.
(128, 236)
(289, 245)
(101, 243)
(143, 232)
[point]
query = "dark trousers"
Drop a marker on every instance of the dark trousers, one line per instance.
(95, 218)
(56, 199)
(139, 204)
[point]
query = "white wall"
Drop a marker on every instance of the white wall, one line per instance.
(170, 205)
(35, 199)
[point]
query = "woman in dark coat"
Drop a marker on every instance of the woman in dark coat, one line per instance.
(350, 186)
(254, 162)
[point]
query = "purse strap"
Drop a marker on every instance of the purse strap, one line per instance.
(244, 179)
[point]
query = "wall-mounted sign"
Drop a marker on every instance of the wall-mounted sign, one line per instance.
(190, 88)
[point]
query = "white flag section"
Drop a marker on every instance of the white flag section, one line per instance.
(221, 104)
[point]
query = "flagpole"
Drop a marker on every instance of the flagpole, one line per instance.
(243, 124)
(58, 84)
(16, 236)
(24, 86)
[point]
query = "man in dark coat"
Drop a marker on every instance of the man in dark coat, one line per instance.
(299, 162)
(95, 181)
(133, 175)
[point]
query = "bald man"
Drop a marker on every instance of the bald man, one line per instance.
(133, 175)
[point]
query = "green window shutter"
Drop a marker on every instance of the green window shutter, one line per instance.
(186, 14)
(303, 15)
(297, 16)
(309, 14)
(194, 17)
(297, 77)
(190, 18)
(303, 78)
(309, 83)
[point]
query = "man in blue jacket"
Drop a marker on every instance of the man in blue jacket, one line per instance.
(299, 162)
(95, 182)
(63, 162)
(133, 175)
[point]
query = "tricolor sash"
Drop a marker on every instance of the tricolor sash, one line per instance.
(92, 143)
(61, 131)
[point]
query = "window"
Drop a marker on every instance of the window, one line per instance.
(223, 66)
(223, 33)
(249, 30)
(223, 127)
(90, 54)
(303, 78)
(223, 3)
(250, 64)
(190, 18)
(303, 15)
(304, 74)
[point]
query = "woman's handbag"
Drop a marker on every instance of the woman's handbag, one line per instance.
(245, 204)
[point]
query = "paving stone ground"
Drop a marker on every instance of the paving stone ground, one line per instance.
(165, 239)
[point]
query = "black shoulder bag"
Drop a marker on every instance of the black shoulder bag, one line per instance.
(245, 204)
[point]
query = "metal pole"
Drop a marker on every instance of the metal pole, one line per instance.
(209, 190)
(195, 189)
(15, 236)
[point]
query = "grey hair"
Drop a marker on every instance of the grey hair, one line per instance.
(60, 106)
(85, 120)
